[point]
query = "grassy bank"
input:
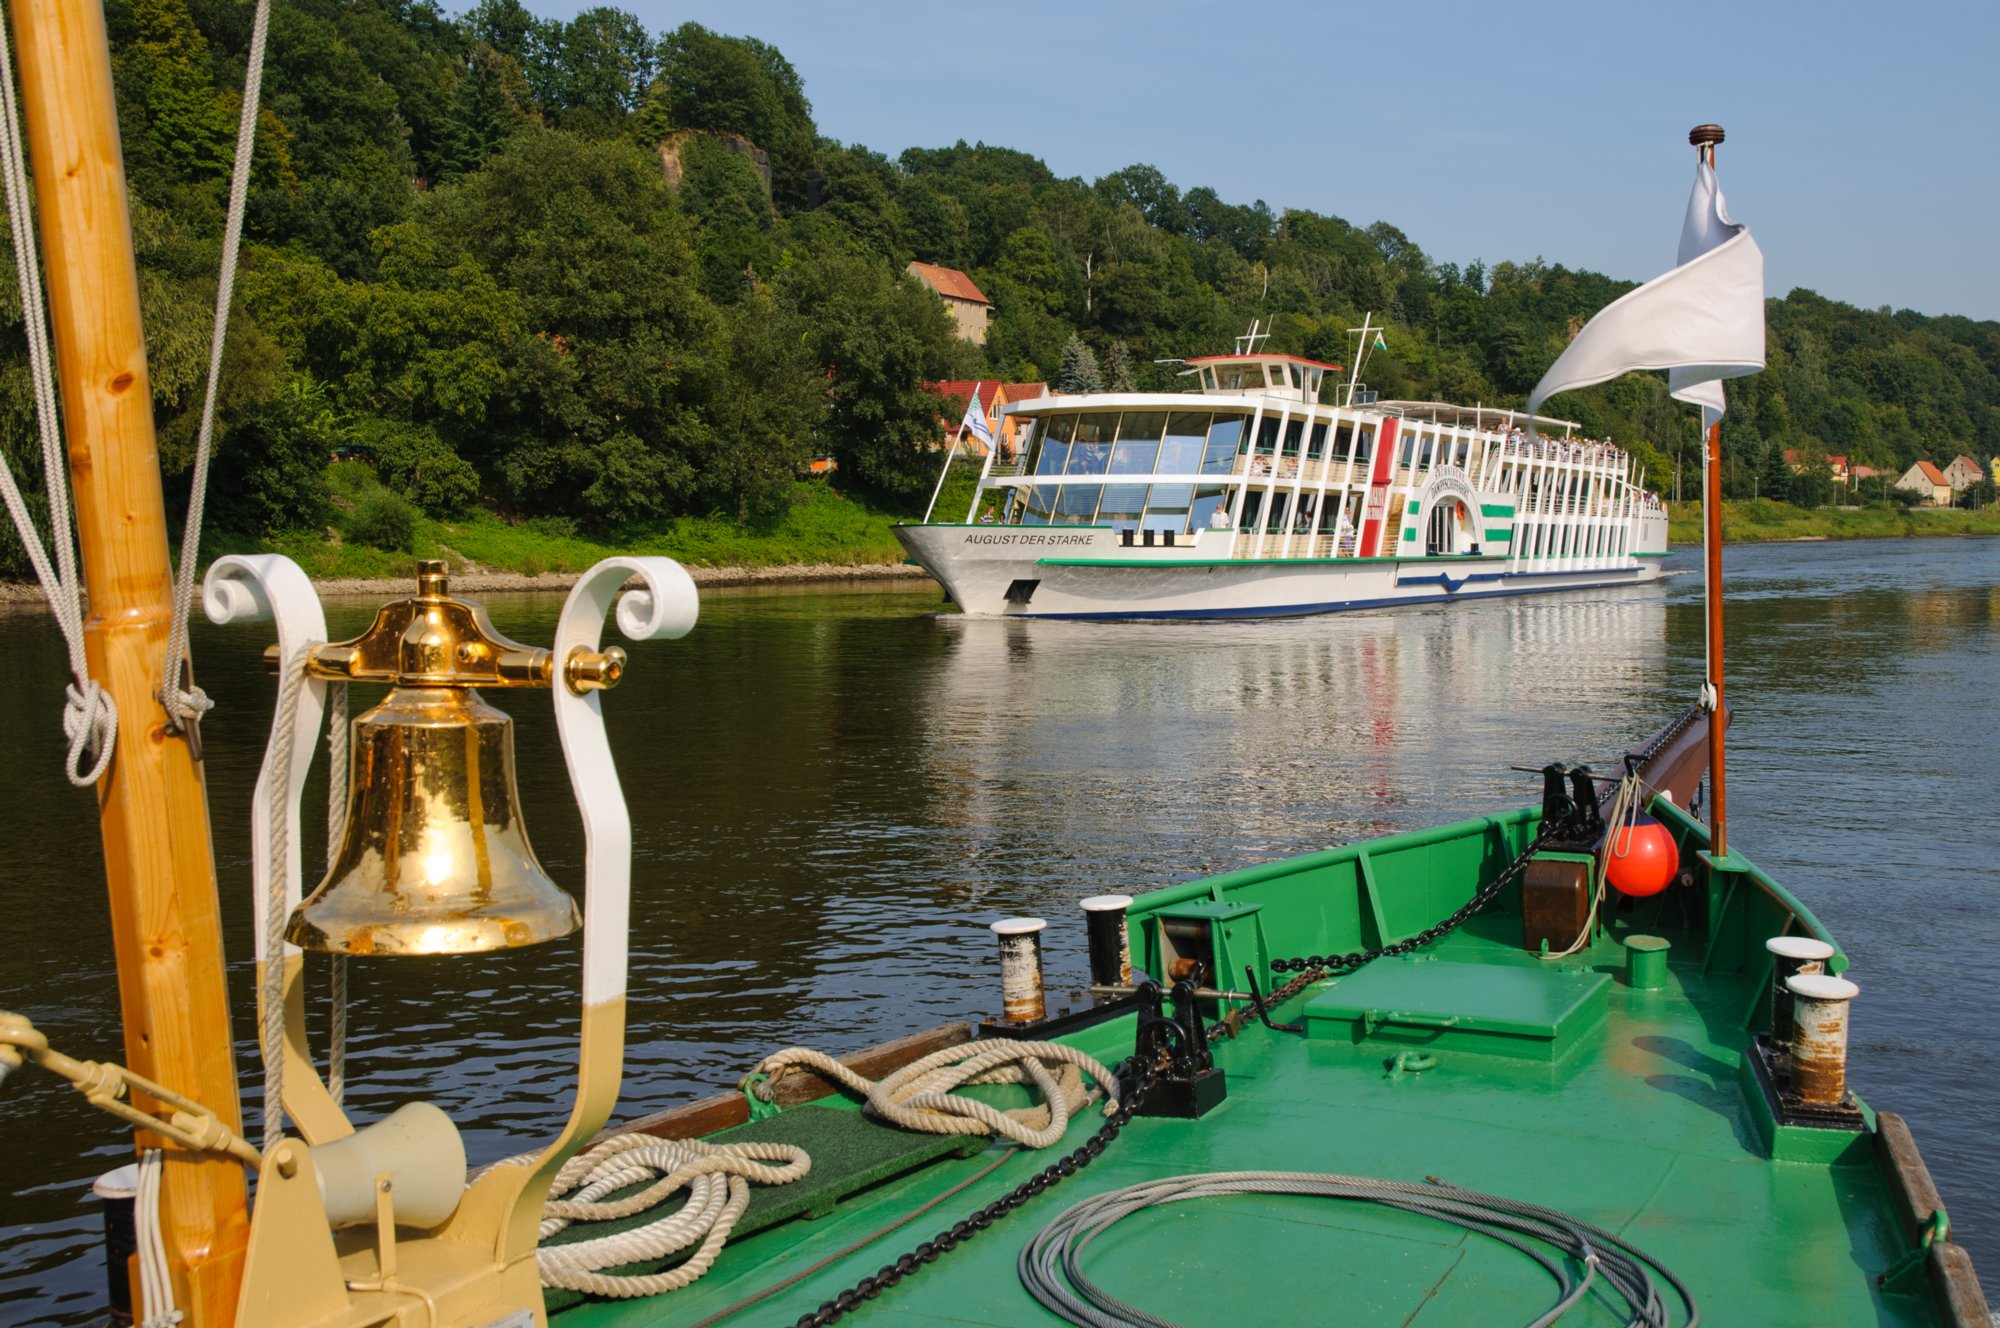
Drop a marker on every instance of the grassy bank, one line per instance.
(821, 527)
(1760, 519)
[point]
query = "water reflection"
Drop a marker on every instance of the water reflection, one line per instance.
(833, 791)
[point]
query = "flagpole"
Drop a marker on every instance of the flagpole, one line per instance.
(951, 454)
(1704, 138)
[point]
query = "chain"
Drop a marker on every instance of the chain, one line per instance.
(1135, 1080)
(1319, 966)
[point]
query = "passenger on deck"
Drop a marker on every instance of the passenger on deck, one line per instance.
(1219, 518)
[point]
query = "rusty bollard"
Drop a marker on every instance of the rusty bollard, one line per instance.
(1110, 941)
(1819, 1035)
(1021, 969)
(1792, 955)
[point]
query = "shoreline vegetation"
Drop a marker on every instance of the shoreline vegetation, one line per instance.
(826, 538)
(1761, 521)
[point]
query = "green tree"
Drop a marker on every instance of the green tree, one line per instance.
(1118, 369)
(1079, 371)
(877, 338)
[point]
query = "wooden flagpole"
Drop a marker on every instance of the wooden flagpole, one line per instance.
(165, 918)
(1704, 138)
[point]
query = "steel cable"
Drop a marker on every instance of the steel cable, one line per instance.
(1050, 1265)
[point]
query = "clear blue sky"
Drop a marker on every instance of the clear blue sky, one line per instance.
(1863, 149)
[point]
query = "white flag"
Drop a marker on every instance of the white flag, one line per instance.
(975, 420)
(1702, 322)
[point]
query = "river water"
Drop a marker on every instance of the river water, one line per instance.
(834, 790)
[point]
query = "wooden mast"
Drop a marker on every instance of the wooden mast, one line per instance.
(1704, 138)
(159, 865)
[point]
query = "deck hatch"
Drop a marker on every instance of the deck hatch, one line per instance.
(1495, 1009)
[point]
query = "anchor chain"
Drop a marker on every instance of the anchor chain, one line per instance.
(1135, 1080)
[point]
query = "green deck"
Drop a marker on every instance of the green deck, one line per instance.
(1630, 1114)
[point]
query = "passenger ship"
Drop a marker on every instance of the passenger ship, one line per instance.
(1249, 498)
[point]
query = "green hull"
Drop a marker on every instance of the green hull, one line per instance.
(1555, 1082)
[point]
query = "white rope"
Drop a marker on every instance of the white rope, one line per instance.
(156, 1287)
(336, 822)
(1626, 804)
(291, 684)
(920, 1096)
(716, 1176)
(187, 704)
(90, 718)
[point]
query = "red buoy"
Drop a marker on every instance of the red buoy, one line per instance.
(1644, 858)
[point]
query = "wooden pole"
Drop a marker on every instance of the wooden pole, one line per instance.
(153, 811)
(1704, 138)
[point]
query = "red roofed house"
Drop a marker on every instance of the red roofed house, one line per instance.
(1929, 483)
(969, 307)
(1962, 473)
(1007, 430)
(1842, 473)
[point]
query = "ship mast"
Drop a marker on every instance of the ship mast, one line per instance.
(153, 810)
(1704, 138)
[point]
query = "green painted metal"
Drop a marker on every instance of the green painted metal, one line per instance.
(1646, 962)
(1489, 1009)
(1496, 509)
(1639, 1119)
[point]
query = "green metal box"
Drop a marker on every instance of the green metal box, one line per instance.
(1493, 1009)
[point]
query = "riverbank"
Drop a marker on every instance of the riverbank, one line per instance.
(1762, 521)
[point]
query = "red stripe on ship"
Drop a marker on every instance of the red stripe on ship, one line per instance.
(1378, 491)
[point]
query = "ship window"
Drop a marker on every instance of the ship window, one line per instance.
(1122, 504)
(1364, 446)
(1223, 438)
(1298, 375)
(1316, 444)
(1091, 453)
(1267, 437)
(1138, 442)
(1180, 454)
(1167, 507)
(1077, 504)
(1206, 499)
(1208, 379)
(1054, 443)
(1294, 432)
(1040, 502)
(1430, 444)
(1240, 377)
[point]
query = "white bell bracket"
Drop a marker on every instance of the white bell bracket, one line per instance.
(256, 587)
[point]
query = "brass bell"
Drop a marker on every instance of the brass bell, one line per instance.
(434, 858)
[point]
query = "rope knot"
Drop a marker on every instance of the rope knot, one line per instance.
(90, 722)
(185, 705)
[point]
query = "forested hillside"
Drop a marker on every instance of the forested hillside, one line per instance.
(467, 275)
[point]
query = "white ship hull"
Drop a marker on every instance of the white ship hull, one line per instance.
(1067, 572)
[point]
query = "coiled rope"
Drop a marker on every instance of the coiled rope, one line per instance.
(717, 1177)
(921, 1095)
(1050, 1265)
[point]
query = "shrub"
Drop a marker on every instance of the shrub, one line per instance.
(385, 519)
(419, 465)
